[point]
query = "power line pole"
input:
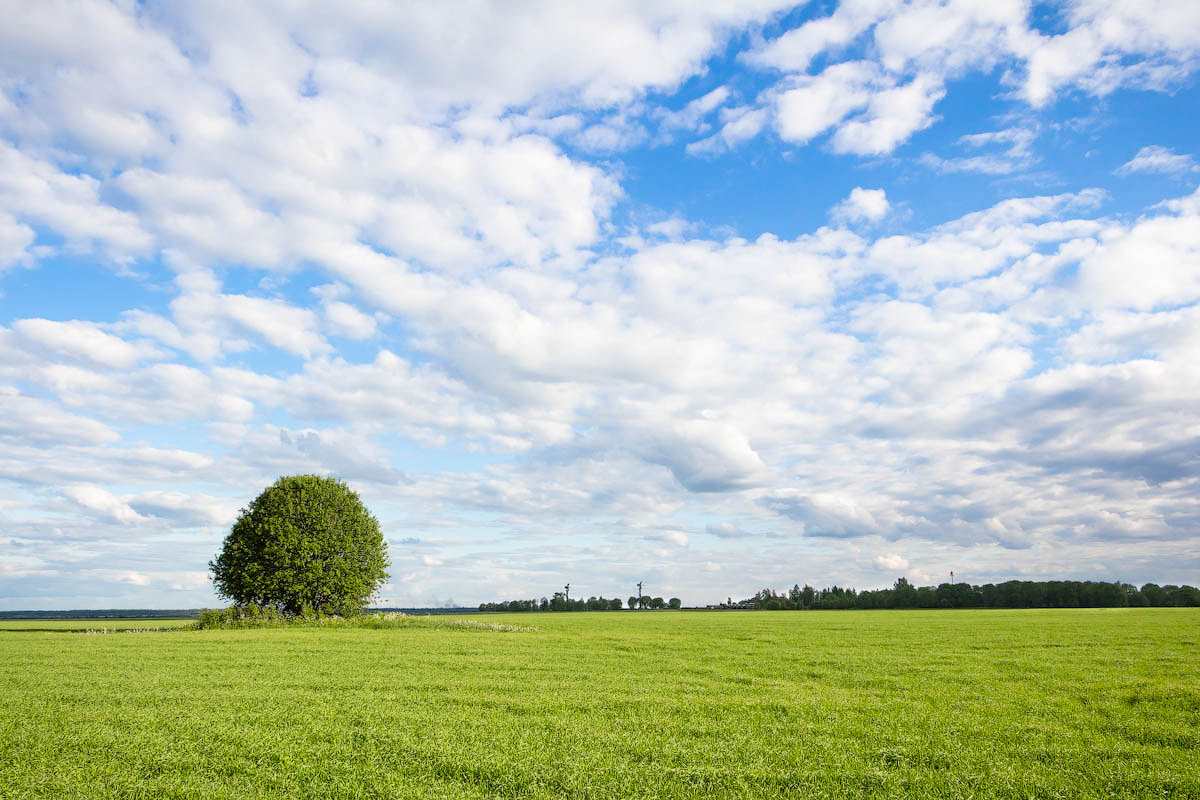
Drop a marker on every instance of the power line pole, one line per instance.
(640, 595)
(567, 591)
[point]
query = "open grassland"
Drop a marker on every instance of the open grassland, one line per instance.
(90, 625)
(953, 704)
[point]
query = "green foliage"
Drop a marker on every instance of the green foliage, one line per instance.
(306, 546)
(1010, 594)
(258, 617)
(243, 616)
(1073, 703)
(560, 602)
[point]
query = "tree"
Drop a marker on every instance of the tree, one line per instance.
(307, 544)
(674, 602)
(904, 594)
(633, 602)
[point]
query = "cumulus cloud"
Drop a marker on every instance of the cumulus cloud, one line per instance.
(891, 117)
(704, 456)
(863, 205)
(1166, 250)
(825, 514)
(809, 106)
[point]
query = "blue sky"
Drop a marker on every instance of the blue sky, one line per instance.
(715, 296)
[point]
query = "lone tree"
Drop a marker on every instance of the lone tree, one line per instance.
(305, 545)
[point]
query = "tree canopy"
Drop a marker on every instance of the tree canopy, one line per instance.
(306, 545)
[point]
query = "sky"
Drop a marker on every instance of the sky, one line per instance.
(715, 296)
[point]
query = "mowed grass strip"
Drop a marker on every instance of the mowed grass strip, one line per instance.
(1037, 703)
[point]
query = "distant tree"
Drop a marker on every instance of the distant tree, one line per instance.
(306, 544)
(675, 602)
(614, 604)
(1154, 594)
(658, 602)
(904, 594)
(644, 601)
(633, 603)
(1136, 598)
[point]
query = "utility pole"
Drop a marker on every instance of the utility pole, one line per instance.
(567, 591)
(639, 594)
(951, 577)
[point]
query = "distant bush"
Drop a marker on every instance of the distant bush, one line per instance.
(244, 616)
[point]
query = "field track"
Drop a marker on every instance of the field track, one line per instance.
(954, 704)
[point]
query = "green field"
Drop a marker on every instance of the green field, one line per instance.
(953, 704)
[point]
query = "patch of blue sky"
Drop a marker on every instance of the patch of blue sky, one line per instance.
(80, 286)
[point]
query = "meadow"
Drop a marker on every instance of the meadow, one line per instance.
(950, 704)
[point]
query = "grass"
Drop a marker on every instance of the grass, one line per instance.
(1038, 703)
(91, 625)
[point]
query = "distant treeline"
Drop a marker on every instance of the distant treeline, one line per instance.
(105, 613)
(560, 602)
(1010, 594)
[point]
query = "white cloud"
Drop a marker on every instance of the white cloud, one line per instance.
(689, 117)
(806, 107)
(76, 339)
(211, 321)
(343, 319)
(891, 117)
(94, 498)
(1154, 158)
(15, 240)
(892, 561)
(895, 58)
(795, 50)
(36, 420)
(190, 581)
(1109, 45)
(183, 508)
(1164, 248)
(36, 191)
(1011, 152)
(862, 205)
(727, 530)
(132, 578)
(738, 125)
